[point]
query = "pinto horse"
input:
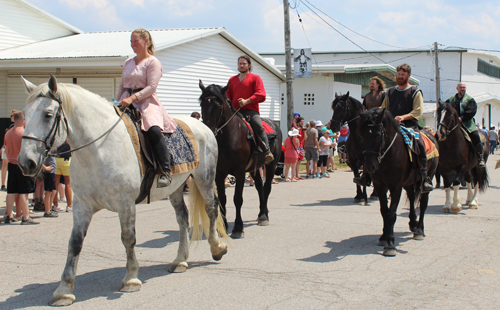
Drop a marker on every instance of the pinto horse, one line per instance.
(347, 109)
(237, 154)
(105, 174)
(458, 159)
(388, 162)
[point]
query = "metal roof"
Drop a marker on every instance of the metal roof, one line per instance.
(115, 44)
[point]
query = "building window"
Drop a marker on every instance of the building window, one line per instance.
(308, 99)
(488, 69)
(282, 99)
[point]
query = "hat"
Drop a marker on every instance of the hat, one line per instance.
(296, 113)
(319, 124)
(294, 132)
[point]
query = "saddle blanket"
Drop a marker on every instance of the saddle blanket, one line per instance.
(410, 135)
(183, 149)
(467, 137)
(267, 128)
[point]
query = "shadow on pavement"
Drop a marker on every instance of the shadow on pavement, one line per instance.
(101, 283)
(333, 203)
(171, 236)
(359, 245)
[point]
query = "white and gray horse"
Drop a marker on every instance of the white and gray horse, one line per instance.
(106, 174)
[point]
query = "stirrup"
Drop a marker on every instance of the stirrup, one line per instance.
(481, 162)
(269, 157)
(164, 180)
(427, 186)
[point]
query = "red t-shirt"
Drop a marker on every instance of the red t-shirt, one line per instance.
(13, 139)
(251, 87)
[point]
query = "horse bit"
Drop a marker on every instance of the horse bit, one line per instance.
(56, 127)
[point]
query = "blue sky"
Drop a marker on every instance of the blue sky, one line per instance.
(259, 23)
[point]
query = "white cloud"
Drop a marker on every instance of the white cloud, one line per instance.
(188, 7)
(103, 12)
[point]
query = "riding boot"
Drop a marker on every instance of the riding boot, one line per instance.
(362, 180)
(480, 152)
(163, 155)
(427, 183)
(269, 157)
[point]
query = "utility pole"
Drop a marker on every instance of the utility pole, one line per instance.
(288, 63)
(438, 86)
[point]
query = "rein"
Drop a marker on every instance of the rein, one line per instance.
(383, 134)
(448, 130)
(56, 126)
(220, 128)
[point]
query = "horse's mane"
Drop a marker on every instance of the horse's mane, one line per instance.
(370, 117)
(64, 93)
(446, 106)
(356, 102)
(215, 90)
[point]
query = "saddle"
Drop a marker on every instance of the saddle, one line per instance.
(410, 135)
(270, 132)
(183, 149)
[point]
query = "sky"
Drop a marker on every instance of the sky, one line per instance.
(259, 24)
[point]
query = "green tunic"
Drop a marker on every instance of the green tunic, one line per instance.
(470, 125)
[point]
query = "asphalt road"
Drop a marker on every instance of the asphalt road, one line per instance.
(319, 252)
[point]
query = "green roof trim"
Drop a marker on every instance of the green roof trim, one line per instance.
(387, 71)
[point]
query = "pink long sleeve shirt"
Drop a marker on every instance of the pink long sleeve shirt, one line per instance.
(146, 74)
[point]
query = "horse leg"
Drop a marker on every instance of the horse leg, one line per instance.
(390, 248)
(238, 202)
(419, 232)
(472, 201)
(382, 194)
(127, 222)
(221, 193)
(447, 204)
(263, 217)
(182, 215)
(63, 296)
(413, 215)
(218, 248)
(456, 206)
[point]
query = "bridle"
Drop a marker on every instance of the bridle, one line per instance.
(448, 130)
(345, 108)
(51, 137)
(383, 134)
(219, 129)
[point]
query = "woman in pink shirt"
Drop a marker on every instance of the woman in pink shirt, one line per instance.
(291, 154)
(141, 75)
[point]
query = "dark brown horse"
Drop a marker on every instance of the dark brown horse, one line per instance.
(347, 109)
(388, 162)
(237, 154)
(458, 159)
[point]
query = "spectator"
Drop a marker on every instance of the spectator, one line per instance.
(295, 122)
(4, 155)
(300, 148)
(325, 143)
(62, 168)
(493, 137)
(291, 154)
(344, 134)
(319, 127)
(196, 115)
(17, 183)
(49, 184)
(331, 160)
(311, 147)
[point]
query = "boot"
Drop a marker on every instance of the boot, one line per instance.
(362, 180)
(426, 182)
(269, 156)
(480, 153)
(163, 155)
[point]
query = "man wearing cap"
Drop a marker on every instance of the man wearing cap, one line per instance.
(311, 147)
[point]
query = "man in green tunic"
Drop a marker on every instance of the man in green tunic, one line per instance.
(466, 107)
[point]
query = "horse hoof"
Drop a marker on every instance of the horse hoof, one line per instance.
(179, 268)
(357, 200)
(237, 235)
(413, 229)
(262, 221)
(373, 197)
(456, 210)
(418, 237)
(389, 251)
(382, 243)
(362, 203)
(473, 206)
(64, 300)
(132, 285)
(445, 210)
(218, 256)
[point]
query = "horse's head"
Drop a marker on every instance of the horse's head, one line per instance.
(448, 119)
(345, 109)
(375, 124)
(45, 125)
(213, 101)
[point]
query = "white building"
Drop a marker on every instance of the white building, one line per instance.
(480, 71)
(95, 60)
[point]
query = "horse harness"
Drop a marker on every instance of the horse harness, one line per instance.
(448, 130)
(348, 109)
(383, 135)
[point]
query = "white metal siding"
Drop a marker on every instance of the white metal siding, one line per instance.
(4, 112)
(20, 25)
(214, 61)
(104, 87)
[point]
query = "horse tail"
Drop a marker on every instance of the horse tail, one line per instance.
(480, 175)
(199, 213)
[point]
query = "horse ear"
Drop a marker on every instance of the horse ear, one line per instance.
(28, 85)
(53, 84)
(224, 89)
(345, 97)
(202, 87)
(379, 116)
(336, 96)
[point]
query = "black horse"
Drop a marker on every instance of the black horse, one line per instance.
(458, 159)
(237, 154)
(388, 162)
(347, 109)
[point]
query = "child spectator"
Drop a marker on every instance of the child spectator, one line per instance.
(49, 185)
(324, 144)
(291, 154)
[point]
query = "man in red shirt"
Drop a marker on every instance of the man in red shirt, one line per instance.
(246, 91)
(17, 183)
